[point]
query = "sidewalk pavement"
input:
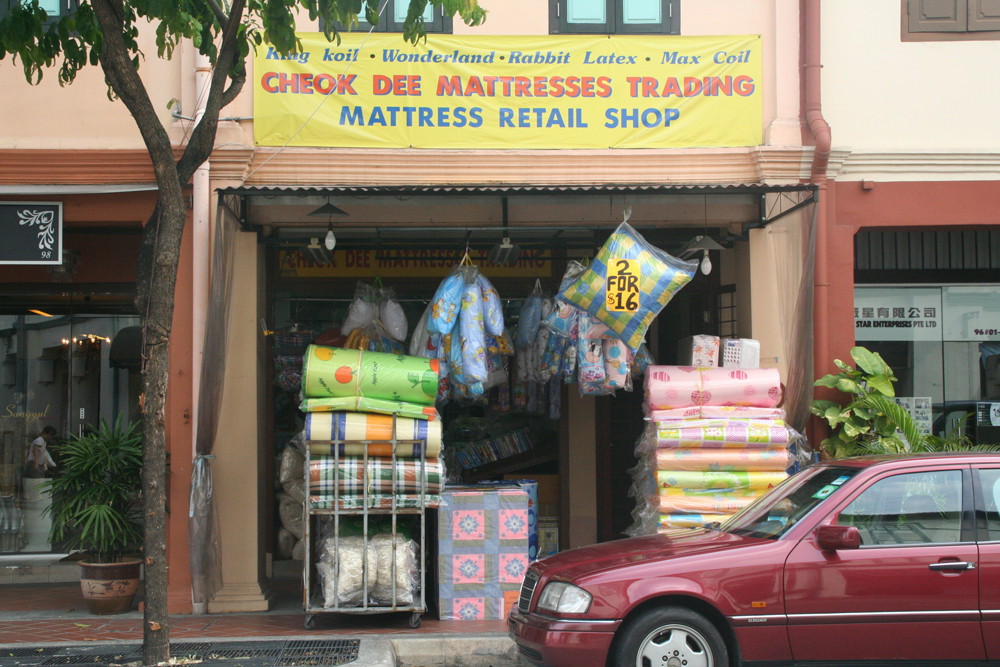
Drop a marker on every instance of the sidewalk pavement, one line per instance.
(48, 624)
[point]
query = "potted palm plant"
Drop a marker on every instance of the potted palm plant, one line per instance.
(97, 509)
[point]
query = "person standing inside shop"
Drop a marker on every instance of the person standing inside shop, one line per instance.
(39, 461)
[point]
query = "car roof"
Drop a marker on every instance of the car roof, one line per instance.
(906, 460)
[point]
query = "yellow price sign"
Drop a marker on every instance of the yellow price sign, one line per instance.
(623, 285)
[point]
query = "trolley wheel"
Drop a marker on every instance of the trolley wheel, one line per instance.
(415, 620)
(310, 622)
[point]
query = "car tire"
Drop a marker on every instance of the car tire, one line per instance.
(668, 636)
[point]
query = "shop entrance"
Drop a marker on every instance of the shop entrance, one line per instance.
(409, 239)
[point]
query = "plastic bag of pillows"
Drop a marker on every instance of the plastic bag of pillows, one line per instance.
(659, 276)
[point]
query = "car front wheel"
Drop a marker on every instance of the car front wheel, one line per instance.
(670, 637)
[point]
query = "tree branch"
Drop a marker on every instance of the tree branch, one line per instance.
(116, 61)
(217, 10)
(202, 139)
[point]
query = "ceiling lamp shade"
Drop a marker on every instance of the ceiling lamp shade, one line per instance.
(328, 210)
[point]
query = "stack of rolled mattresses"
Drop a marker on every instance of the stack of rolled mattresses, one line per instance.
(716, 440)
(373, 433)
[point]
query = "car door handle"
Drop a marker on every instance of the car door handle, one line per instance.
(953, 565)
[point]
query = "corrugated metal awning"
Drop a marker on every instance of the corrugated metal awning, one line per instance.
(551, 215)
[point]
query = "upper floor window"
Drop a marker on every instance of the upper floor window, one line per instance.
(950, 20)
(393, 16)
(54, 8)
(614, 16)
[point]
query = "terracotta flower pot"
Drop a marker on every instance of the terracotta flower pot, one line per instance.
(109, 588)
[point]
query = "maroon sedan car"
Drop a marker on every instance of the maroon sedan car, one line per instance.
(868, 561)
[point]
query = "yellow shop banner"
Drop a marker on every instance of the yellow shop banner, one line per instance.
(577, 91)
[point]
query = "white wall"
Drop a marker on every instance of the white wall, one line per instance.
(881, 94)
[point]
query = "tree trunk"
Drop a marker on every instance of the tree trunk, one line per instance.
(157, 314)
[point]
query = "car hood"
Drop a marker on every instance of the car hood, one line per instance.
(596, 558)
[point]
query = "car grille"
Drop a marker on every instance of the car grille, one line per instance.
(527, 590)
(530, 653)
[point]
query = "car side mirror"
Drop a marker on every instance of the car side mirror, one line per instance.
(832, 538)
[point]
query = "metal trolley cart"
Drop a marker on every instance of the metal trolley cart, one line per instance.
(372, 507)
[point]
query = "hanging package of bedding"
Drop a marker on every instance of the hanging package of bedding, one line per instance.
(628, 284)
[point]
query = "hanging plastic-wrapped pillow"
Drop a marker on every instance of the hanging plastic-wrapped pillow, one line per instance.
(617, 362)
(628, 284)
(495, 368)
(446, 303)
(391, 315)
(549, 364)
(529, 319)
(541, 342)
(420, 342)
(363, 310)
(492, 307)
(590, 362)
(560, 320)
(642, 360)
(473, 339)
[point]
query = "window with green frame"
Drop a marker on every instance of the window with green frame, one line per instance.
(393, 17)
(54, 8)
(614, 16)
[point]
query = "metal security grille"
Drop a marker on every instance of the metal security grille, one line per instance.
(318, 653)
(929, 250)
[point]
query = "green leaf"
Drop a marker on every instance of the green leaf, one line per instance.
(842, 366)
(820, 406)
(870, 362)
(848, 386)
(882, 384)
(854, 427)
(829, 380)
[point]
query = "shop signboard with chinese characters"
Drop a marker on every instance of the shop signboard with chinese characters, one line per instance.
(897, 313)
(31, 232)
(971, 312)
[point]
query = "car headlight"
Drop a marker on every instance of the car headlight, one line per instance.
(564, 598)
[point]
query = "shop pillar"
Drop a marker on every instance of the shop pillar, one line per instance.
(239, 464)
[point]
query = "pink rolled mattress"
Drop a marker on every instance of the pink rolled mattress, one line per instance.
(669, 387)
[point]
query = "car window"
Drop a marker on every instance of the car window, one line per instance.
(781, 508)
(989, 517)
(910, 508)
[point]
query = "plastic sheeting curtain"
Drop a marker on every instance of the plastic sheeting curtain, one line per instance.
(203, 519)
(792, 245)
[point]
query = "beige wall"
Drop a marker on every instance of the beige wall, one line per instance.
(80, 115)
(891, 103)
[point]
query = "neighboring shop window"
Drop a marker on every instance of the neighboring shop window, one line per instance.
(942, 343)
(393, 16)
(951, 20)
(58, 377)
(615, 16)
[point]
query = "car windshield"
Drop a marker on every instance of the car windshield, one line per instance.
(782, 507)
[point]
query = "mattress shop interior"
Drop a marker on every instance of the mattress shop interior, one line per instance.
(441, 349)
